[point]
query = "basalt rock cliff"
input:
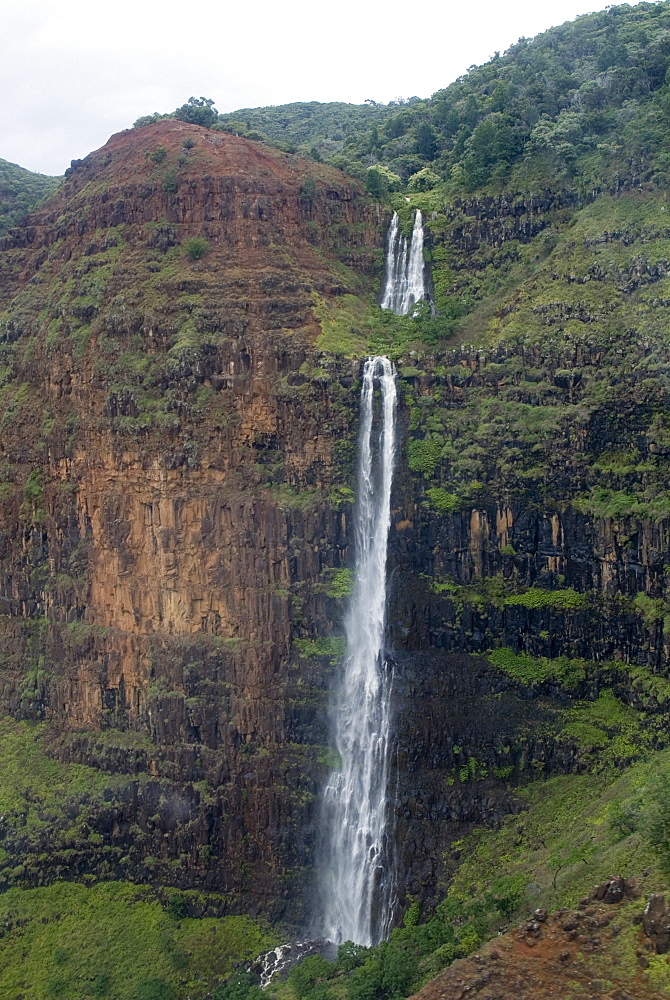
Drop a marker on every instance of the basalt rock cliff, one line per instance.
(177, 452)
(167, 464)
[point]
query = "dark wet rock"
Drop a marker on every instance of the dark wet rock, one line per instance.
(656, 923)
(613, 890)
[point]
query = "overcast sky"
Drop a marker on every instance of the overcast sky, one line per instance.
(75, 71)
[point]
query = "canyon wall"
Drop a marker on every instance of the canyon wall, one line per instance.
(177, 453)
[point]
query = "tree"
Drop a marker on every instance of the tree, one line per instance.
(425, 143)
(379, 180)
(395, 127)
(494, 141)
(198, 111)
(423, 180)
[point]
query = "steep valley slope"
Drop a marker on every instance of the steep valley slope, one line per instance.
(183, 324)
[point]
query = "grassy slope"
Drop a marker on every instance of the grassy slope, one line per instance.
(114, 940)
(74, 941)
(572, 833)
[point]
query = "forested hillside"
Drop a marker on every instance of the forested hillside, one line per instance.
(582, 102)
(20, 191)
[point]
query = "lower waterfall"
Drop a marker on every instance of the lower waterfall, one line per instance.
(356, 879)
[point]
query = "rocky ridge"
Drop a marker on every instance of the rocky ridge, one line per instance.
(580, 953)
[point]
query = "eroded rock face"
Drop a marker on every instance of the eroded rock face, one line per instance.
(656, 923)
(166, 522)
(176, 453)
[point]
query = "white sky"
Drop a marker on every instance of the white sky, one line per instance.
(72, 72)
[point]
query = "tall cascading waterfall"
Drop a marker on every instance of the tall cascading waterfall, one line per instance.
(356, 876)
(404, 283)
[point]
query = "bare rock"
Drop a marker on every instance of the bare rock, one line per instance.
(613, 890)
(656, 923)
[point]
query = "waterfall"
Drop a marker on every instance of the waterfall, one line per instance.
(356, 880)
(404, 284)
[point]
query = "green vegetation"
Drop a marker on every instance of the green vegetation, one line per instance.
(310, 127)
(196, 248)
(530, 670)
(573, 831)
(498, 591)
(20, 192)
(617, 504)
(536, 598)
(116, 940)
(380, 180)
(307, 125)
(158, 156)
(438, 498)
(539, 385)
(639, 685)
(340, 583)
(489, 591)
(36, 785)
(331, 646)
(601, 105)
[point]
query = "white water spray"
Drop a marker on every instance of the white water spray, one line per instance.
(404, 284)
(357, 880)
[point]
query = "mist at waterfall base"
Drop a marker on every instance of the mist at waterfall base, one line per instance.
(404, 280)
(356, 877)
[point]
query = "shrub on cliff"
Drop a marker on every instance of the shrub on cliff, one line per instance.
(158, 156)
(196, 248)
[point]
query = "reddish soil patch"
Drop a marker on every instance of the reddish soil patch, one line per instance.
(569, 955)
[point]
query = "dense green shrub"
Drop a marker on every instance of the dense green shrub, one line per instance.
(158, 156)
(531, 670)
(423, 180)
(199, 111)
(534, 597)
(442, 501)
(423, 455)
(380, 180)
(196, 248)
(341, 583)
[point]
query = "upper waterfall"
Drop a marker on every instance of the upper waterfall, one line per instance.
(404, 283)
(357, 881)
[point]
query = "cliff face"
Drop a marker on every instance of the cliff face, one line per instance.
(168, 457)
(177, 456)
